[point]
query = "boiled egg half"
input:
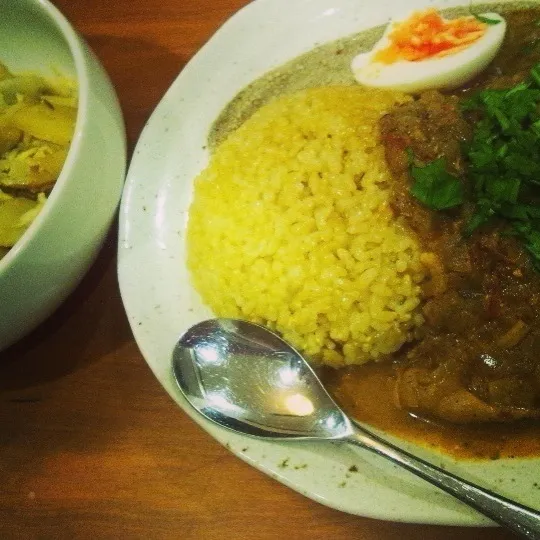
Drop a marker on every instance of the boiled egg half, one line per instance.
(426, 51)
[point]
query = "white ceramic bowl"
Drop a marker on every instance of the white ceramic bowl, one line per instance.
(161, 304)
(57, 249)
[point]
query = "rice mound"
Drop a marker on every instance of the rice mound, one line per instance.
(290, 227)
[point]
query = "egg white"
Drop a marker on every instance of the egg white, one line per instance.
(447, 72)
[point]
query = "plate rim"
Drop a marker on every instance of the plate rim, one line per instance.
(220, 434)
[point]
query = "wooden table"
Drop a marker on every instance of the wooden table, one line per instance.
(90, 445)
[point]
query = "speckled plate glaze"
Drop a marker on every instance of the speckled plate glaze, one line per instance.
(161, 304)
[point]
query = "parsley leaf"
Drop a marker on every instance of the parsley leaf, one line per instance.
(523, 212)
(531, 240)
(484, 213)
(535, 74)
(486, 20)
(503, 164)
(435, 187)
(503, 160)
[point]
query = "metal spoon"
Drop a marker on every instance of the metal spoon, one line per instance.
(247, 379)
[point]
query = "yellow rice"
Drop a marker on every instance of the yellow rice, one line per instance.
(290, 227)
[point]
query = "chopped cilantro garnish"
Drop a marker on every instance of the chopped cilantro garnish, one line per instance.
(504, 157)
(530, 235)
(481, 18)
(435, 187)
(484, 212)
(503, 164)
(486, 20)
(535, 74)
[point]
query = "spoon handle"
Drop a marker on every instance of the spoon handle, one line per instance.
(520, 519)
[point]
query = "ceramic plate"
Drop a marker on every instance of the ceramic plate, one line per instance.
(155, 285)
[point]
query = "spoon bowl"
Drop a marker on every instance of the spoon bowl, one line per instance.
(247, 379)
(244, 377)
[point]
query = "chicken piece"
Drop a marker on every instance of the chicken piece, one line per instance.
(425, 394)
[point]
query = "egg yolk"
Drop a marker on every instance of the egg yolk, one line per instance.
(427, 35)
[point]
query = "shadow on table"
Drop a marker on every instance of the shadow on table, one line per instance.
(87, 326)
(401, 531)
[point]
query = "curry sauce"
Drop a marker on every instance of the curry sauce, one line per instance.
(366, 394)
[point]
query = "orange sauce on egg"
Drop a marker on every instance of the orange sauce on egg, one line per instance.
(427, 35)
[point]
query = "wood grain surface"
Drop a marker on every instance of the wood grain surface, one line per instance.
(90, 445)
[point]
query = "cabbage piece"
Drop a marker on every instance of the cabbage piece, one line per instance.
(53, 124)
(34, 169)
(61, 86)
(66, 101)
(29, 86)
(16, 215)
(4, 72)
(9, 137)
(37, 121)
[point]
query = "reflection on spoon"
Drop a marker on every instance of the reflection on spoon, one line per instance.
(247, 379)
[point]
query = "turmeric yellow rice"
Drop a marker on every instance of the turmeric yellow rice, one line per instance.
(290, 226)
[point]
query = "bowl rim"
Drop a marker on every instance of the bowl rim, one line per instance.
(48, 10)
